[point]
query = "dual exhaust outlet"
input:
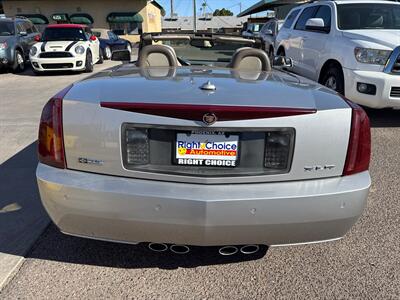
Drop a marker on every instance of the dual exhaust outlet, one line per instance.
(224, 250)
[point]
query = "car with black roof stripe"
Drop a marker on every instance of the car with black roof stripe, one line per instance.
(66, 47)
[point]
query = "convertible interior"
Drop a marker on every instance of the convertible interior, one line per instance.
(213, 51)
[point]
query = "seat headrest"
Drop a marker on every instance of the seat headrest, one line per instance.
(250, 59)
(157, 56)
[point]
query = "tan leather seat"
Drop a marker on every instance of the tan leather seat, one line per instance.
(157, 56)
(250, 59)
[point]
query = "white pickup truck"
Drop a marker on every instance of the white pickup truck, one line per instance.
(350, 46)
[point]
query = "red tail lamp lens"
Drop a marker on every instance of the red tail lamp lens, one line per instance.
(196, 112)
(50, 141)
(359, 149)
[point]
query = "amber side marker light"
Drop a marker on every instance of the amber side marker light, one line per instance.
(359, 149)
(51, 141)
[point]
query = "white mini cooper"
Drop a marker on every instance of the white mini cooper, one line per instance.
(66, 47)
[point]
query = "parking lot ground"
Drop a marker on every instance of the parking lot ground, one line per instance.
(364, 265)
(22, 218)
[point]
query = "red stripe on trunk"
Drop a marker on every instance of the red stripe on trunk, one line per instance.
(196, 112)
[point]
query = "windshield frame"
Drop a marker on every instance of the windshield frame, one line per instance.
(220, 58)
(357, 7)
(12, 26)
(64, 38)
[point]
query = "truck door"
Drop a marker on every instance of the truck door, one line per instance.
(314, 44)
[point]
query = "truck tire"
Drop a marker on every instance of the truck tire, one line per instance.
(334, 79)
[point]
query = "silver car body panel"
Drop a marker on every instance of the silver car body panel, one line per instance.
(104, 200)
(94, 132)
(135, 210)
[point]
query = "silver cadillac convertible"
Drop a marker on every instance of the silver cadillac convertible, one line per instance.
(201, 142)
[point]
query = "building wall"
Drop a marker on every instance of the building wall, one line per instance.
(153, 15)
(98, 9)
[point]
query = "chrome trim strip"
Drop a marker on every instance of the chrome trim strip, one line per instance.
(391, 61)
(306, 243)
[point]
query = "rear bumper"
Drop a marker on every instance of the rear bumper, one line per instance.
(132, 210)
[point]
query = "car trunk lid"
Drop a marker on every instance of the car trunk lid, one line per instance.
(131, 125)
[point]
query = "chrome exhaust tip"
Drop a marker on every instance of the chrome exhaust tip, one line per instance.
(228, 250)
(179, 249)
(249, 249)
(158, 247)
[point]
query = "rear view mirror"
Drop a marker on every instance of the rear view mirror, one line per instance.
(268, 32)
(282, 62)
(121, 55)
(37, 38)
(316, 24)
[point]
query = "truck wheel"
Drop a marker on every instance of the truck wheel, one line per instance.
(281, 52)
(334, 79)
(271, 55)
(19, 62)
(89, 63)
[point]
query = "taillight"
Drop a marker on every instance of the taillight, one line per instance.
(278, 146)
(50, 141)
(137, 146)
(359, 149)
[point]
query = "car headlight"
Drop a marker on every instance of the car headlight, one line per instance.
(372, 56)
(79, 49)
(33, 51)
(3, 46)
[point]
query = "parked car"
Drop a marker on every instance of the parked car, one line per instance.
(17, 35)
(110, 42)
(251, 29)
(66, 47)
(268, 35)
(173, 149)
(349, 46)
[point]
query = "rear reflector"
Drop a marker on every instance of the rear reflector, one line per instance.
(197, 112)
(50, 141)
(137, 146)
(277, 149)
(359, 149)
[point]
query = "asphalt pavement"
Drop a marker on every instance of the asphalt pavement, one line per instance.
(22, 217)
(363, 265)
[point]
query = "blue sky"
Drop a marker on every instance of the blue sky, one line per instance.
(185, 7)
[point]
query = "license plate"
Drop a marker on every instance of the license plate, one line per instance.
(210, 150)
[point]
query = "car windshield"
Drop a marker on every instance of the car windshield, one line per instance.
(256, 27)
(367, 16)
(63, 34)
(7, 28)
(204, 52)
(97, 33)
